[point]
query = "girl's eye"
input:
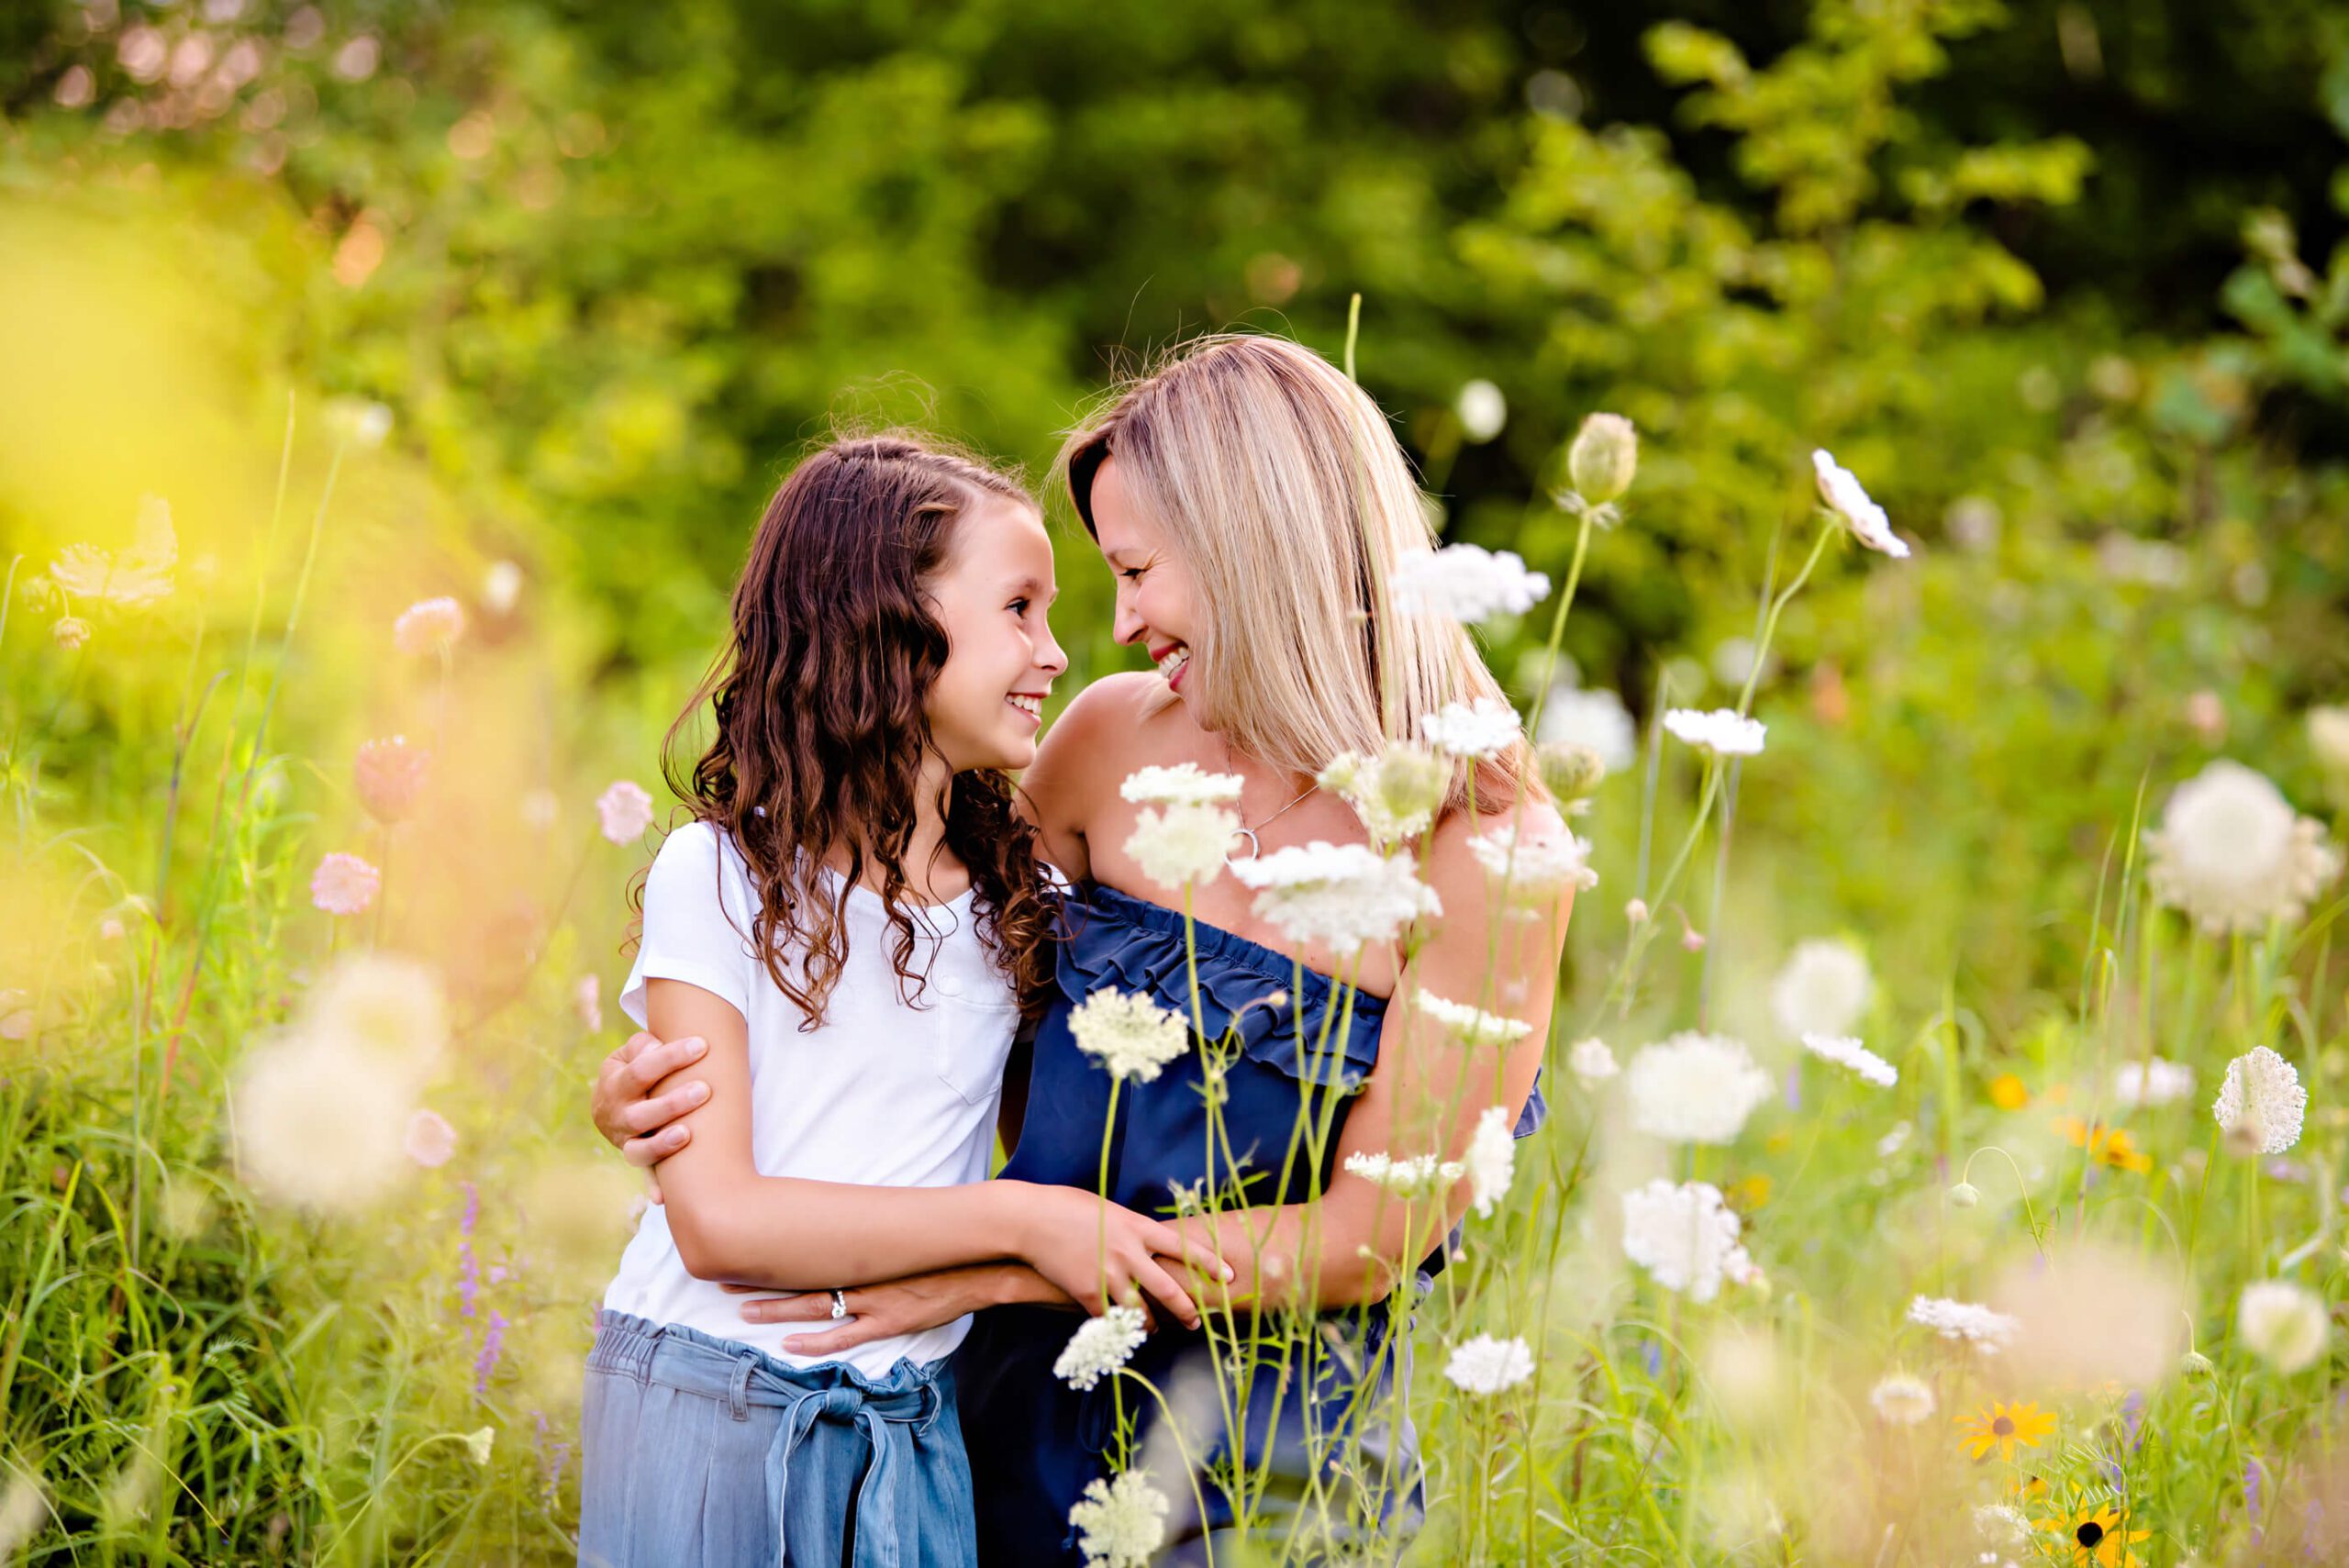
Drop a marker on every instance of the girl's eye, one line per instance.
(1130, 572)
(1021, 606)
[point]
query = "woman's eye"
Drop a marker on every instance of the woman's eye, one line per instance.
(1021, 606)
(1130, 572)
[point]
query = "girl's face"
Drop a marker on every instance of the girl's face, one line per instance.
(1154, 591)
(990, 594)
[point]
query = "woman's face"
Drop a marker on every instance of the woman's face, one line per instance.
(991, 593)
(1154, 591)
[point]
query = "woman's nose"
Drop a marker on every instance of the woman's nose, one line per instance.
(1128, 626)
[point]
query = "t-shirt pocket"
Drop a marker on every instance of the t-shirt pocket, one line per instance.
(974, 1043)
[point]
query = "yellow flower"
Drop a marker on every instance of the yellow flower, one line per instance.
(2106, 1145)
(1748, 1194)
(2002, 1425)
(2007, 1094)
(2098, 1535)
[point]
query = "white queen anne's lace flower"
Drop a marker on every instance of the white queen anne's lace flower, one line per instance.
(1821, 989)
(1593, 716)
(1483, 410)
(2152, 1082)
(1394, 791)
(1723, 732)
(1492, 1159)
(1406, 1175)
(2329, 739)
(1467, 583)
(2233, 855)
(1176, 845)
(1849, 1054)
(1987, 1331)
(1902, 1399)
(321, 1120)
(1119, 1523)
(428, 626)
(1341, 895)
(1183, 785)
(1694, 1088)
(1849, 501)
(2283, 1324)
(1099, 1346)
(139, 575)
(1486, 1366)
(1474, 1026)
(1591, 1061)
(1479, 729)
(1536, 869)
(1127, 1033)
(2262, 1098)
(1686, 1236)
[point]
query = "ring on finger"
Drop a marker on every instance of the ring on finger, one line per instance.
(840, 1304)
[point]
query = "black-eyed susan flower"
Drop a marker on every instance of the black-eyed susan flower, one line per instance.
(2099, 1535)
(2003, 1426)
(2107, 1146)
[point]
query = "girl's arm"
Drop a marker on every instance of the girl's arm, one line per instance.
(1424, 1097)
(730, 1223)
(903, 1306)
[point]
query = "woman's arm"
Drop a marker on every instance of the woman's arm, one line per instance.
(730, 1223)
(1424, 1097)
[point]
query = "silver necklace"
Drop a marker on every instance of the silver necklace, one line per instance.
(1254, 848)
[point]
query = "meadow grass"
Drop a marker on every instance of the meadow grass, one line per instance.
(199, 1366)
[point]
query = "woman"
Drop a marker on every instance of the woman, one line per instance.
(1256, 508)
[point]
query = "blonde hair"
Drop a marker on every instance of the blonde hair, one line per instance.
(1278, 482)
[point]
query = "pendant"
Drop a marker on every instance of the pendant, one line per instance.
(1254, 849)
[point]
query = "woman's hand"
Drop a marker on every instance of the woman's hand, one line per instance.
(1103, 1254)
(645, 1129)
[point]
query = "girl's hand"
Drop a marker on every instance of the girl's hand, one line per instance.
(645, 1130)
(875, 1312)
(1113, 1262)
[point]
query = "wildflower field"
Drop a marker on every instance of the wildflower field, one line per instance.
(1928, 421)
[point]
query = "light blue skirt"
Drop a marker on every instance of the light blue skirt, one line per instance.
(702, 1454)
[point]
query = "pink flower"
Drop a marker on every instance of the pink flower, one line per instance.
(390, 775)
(590, 997)
(430, 626)
(625, 811)
(344, 885)
(430, 1140)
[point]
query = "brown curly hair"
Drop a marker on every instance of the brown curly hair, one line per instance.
(819, 700)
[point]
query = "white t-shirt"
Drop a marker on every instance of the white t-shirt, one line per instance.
(882, 1093)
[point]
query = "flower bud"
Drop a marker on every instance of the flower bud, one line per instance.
(1965, 1195)
(1410, 780)
(1692, 940)
(1605, 455)
(70, 631)
(1636, 911)
(1569, 772)
(2194, 1364)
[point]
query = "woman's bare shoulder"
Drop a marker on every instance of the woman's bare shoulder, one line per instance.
(1092, 739)
(1449, 859)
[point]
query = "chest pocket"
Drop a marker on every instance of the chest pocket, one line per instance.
(972, 1040)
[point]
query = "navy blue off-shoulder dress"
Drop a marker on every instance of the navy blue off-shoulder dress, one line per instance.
(1034, 1442)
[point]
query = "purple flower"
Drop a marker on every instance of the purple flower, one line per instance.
(486, 1362)
(468, 1266)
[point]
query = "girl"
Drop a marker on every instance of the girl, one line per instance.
(1254, 506)
(854, 923)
